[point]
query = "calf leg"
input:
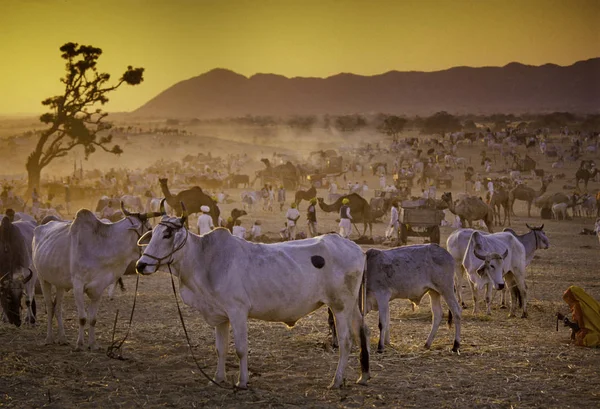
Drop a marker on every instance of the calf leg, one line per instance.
(81, 313)
(475, 300)
(458, 281)
(222, 344)
(239, 325)
(47, 292)
(92, 311)
(437, 313)
(383, 305)
(503, 298)
(345, 342)
(62, 339)
(488, 298)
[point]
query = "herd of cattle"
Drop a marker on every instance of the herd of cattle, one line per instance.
(230, 280)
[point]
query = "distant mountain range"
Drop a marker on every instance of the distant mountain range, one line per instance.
(514, 88)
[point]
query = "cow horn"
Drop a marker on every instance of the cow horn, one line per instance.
(162, 207)
(505, 254)
(125, 212)
(184, 213)
(528, 226)
(477, 254)
(26, 280)
(541, 227)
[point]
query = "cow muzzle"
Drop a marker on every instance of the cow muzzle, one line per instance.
(144, 268)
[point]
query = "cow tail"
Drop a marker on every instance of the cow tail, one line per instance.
(449, 318)
(363, 291)
(363, 332)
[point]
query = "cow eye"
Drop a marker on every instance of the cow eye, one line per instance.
(168, 234)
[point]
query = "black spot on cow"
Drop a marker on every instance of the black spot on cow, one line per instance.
(317, 261)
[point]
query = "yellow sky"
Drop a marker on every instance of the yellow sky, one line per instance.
(179, 39)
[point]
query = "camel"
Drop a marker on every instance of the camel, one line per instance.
(585, 175)
(286, 173)
(525, 193)
(192, 198)
(500, 199)
(305, 195)
(470, 208)
(359, 210)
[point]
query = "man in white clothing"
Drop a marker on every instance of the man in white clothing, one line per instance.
(205, 221)
(292, 217)
(394, 221)
(332, 190)
(238, 230)
(255, 231)
(345, 219)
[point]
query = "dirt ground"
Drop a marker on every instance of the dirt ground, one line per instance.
(503, 363)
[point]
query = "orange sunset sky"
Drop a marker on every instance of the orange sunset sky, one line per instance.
(179, 39)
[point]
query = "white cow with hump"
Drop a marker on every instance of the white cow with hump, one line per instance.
(230, 280)
(490, 260)
(534, 239)
(86, 255)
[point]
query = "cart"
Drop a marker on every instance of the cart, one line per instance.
(417, 220)
(444, 181)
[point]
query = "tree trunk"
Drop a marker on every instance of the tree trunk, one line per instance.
(34, 175)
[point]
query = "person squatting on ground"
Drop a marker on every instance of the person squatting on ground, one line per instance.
(311, 217)
(345, 219)
(292, 217)
(205, 221)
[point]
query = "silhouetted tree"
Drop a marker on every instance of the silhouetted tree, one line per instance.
(347, 123)
(441, 122)
(392, 125)
(304, 123)
(71, 121)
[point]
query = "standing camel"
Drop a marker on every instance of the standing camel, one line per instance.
(305, 195)
(193, 199)
(359, 210)
(525, 193)
(499, 199)
(469, 209)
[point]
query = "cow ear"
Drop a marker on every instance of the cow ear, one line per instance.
(145, 239)
(505, 254)
(481, 269)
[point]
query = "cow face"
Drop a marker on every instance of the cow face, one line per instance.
(541, 241)
(167, 238)
(490, 272)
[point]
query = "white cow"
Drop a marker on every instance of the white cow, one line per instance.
(533, 240)
(86, 255)
(410, 272)
(559, 211)
(26, 228)
(489, 260)
(230, 280)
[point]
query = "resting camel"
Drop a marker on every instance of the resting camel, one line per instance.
(359, 210)
(499, 199)
(470, 208)
(192, 198)
(525, 193)
(305, 195)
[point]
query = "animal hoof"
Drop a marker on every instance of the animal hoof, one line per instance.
(380, 350)
(63, 341)
(524, 315)
(48, 341)
(503, 307)
(95, 347)
(240, 385)
(427, 346)
(364, 378)
(511, 315)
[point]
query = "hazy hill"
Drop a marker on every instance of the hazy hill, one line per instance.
(514, 88)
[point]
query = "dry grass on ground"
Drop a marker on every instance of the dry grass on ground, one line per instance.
(504, 363)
